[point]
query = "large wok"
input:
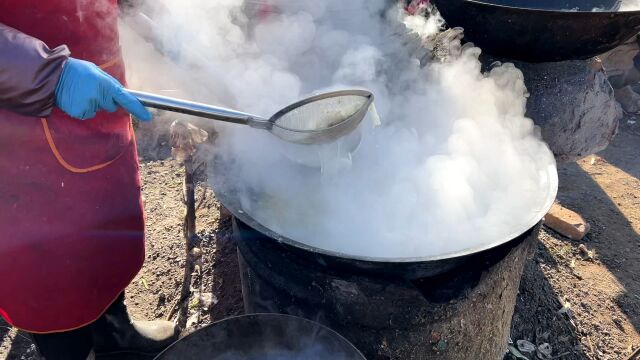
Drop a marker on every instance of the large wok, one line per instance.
(222, 177)
(541, 30)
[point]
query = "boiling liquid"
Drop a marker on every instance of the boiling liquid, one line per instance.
(337, 156)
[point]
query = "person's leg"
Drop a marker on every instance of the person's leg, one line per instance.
(116, 334)
(70, 345)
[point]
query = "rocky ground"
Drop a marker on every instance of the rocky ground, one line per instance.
(581, 298)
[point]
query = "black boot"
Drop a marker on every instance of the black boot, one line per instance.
(116, 336)
(69, 345)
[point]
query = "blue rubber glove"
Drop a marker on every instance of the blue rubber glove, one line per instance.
(84, 89)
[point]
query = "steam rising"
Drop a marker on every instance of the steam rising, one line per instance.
(455, 164)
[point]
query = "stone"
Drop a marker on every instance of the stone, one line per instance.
(544, 351)
(574, 105)
(628, 99)
(623, 68)
(586, 253)
(526, 346)
(620, 65)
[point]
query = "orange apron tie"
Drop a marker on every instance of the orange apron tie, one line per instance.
(56, 152)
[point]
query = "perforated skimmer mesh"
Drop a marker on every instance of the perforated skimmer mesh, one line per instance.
(321, 119)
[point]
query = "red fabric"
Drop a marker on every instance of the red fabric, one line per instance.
(265, 10)
(415, 6)
(69, 242)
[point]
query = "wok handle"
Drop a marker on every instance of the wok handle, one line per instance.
(198, 109)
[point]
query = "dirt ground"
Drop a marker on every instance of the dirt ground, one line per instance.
(600, 293)
(585, 305)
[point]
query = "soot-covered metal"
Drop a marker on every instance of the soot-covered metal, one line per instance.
(541, 31)
(390, 310)
(263, 337)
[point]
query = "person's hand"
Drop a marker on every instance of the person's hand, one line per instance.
(84, 89)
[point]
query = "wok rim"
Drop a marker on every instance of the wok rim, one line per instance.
(262, 315)
(549, 199)
(559, 11)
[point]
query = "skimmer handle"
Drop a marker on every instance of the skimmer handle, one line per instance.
(198, 109)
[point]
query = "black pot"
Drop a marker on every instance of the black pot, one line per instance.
(406, 268)
(439, 281)
(560, 5)
(540, 30)
(262, 337)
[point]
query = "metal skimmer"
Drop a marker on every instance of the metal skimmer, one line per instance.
(315, 120)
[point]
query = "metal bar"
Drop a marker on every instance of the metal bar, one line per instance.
(199, 109)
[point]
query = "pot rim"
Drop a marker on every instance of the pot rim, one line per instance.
(608, 12)
(532, 221)
(263, 315)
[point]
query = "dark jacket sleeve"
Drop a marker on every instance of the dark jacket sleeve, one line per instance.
(29, 72)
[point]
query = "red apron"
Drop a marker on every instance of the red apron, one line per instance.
(71, 217)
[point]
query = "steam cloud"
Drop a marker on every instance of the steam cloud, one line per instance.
(455, 164)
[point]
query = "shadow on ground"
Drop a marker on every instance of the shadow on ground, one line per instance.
(616, 243)
(623, 152)
(603, 292)
(536, 318)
